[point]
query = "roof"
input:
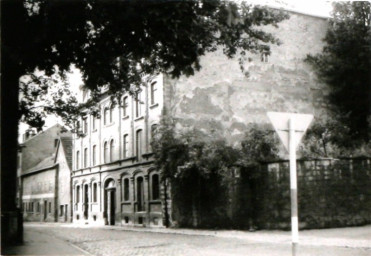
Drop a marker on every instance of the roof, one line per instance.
(47, 163)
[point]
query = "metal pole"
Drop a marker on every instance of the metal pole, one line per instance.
(293, 188)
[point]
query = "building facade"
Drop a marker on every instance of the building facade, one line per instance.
(114, 179)
(46, 187)
(34, 149)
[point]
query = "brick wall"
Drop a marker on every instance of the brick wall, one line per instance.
(221, 99)
(331, 193)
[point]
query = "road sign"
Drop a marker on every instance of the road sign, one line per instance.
(280, 123)
(291, 128)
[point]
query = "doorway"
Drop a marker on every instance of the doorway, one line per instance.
(45, 209)
(110, 198)
(86, 201)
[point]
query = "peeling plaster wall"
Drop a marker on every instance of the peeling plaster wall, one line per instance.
(220, 99)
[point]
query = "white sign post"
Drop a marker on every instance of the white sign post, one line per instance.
(291, 128)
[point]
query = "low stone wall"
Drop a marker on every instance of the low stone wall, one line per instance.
(331, 193)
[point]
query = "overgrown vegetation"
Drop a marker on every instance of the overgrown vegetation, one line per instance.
(202, 169)
(345, 65)
(215, 185)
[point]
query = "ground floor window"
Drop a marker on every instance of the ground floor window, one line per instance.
(155, 187)
(140, 194)
(95, 189)
(61, 210)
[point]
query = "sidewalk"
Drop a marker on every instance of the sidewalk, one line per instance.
(352, 237)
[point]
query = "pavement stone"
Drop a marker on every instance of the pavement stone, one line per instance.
(115, 240)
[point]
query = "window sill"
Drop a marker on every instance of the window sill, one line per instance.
(139, 118)
(153, 106)
(94, 130)
(125, 118)
(110, 124)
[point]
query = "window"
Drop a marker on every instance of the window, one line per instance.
(111, 150)
(155, 187)
(153, 92)
(95, 188)
(105, 152)
(138, 104)
(126, 189)
(126, 146)
(111, 114)
(105, 115)
(78, 159)
(94, 155)
(85, 124)
(93, 123)
(61, 210)
(125, 106)
(77, 194)
(38, 207)
(140, 194)
(139, 143)
(32, 207)
(55, 143)
(78, 126)
(85, 157)
(50, 207)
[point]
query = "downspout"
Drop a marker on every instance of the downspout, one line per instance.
(56, 190)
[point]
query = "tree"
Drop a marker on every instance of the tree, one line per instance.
(198, 166)
(116, 43)
(345, 65)
(112, 43)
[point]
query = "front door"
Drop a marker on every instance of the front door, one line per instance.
(65, 212)
(45, 209)
(111, 206)
(86, 202)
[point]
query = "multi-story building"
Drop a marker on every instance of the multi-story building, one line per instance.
(114, 179)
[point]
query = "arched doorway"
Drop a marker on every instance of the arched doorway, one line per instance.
(109, 201)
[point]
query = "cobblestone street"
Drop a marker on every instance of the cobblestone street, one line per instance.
(117, 241)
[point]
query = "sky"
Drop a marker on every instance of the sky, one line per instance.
(314, 7)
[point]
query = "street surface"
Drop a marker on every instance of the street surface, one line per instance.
(68, 239)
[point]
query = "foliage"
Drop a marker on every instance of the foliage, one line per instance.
(198, 167)
(260, 144)
(326, 137)
(117, 43)
(345, 65)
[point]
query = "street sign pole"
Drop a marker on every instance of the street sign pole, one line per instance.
(290, 128)
(293, 187)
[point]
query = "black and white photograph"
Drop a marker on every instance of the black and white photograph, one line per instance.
(185, 127)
